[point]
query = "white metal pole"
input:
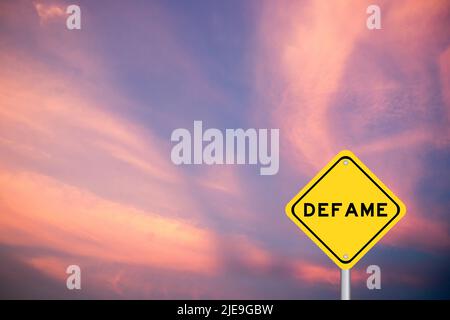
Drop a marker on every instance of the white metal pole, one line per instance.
(345, 284)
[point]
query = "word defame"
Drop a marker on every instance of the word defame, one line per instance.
(235, 146)
(324, 209)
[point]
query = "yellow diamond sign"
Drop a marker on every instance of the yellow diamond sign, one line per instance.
(345, 209)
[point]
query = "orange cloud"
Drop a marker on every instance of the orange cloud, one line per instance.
(51, 266)
(311, 273)
(111, 190)
(316, 273)
(41, 211)
(110, 195)
(79, 178)
(52, 124)
(47, 12)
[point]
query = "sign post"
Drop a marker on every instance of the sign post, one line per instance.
(345, 210)
(345, 284)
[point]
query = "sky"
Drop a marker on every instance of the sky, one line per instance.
(85, 123)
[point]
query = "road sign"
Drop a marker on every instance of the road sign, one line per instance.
(345, 209)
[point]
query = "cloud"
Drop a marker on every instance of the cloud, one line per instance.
(60, 126)
(85, 172)
(80, 179)
(311, 273)
(106, 184)
(71, 220)
(308, 55)
(413, 138)
(49, 12)
(444, 68)
(331, 84)
(420, 233)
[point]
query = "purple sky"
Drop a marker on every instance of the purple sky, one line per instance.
(85, 124)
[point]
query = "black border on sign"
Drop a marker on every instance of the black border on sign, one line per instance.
(315, 235)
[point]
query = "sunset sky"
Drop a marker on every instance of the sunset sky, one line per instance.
(86, 118)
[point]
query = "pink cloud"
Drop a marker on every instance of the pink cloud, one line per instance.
(79, 178)
(101, 162)
(312, 273)
(408, 139)
(48, 12)
(110, 197)
(308, 55)
(52, 124)
(51, 266)
(307, 48)
(420, 233)
(316, 53)
(71, 220)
